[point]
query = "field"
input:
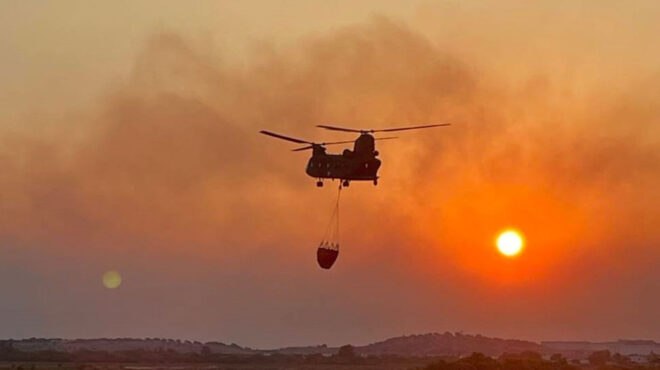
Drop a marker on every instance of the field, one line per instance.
(192, 366)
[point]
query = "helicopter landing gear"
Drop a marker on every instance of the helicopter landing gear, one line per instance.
(319, 184)
(345, 183)
(375, 182)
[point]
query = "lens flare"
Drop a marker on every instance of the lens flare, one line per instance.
(111, 279)
(510, 243)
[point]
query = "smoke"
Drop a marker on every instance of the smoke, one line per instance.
(172, 162)
(173, 154)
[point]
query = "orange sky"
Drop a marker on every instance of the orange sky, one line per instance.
(129, 142)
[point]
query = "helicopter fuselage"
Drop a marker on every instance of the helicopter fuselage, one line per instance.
(343, 167)
(359, 164)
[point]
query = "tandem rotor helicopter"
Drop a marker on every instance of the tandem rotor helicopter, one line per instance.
(359, 164)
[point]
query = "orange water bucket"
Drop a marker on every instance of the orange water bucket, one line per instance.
(326, 255)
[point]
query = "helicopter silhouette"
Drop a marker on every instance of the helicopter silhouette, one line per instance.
(359, 164)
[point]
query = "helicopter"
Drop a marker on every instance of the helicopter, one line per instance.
(359, 164)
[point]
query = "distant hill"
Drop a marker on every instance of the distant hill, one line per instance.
(456, 344)
(306, 350)
(431, 344)
(125, 344)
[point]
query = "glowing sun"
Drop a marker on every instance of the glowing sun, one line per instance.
(510, 243)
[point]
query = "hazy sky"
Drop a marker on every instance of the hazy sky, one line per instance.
(129, 142)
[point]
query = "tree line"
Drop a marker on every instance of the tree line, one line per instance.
(599, 360)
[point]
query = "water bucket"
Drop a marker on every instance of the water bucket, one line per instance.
(326, 255)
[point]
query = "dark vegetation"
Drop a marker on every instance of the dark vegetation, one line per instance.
(599, 360)
(346, 357)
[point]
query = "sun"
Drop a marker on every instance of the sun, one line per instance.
(510, 243)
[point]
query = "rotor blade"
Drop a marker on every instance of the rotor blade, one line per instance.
(299, 141)
(338, 142)
(323, 144)
(303, 148)
(410, 128)
(335, 128)
(387, 138)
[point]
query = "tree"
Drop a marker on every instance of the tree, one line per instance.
(599, 357)
(478, 360)
(654, 358)
(531, 355)
(346, 351)
(621, 359)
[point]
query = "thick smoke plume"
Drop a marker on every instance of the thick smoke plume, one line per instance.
(174, 153)
(171, 162)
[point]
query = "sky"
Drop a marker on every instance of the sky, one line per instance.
(129, 142)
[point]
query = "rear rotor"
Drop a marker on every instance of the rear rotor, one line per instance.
(371, 131)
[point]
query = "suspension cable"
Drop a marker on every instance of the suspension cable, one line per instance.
(331, 234)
